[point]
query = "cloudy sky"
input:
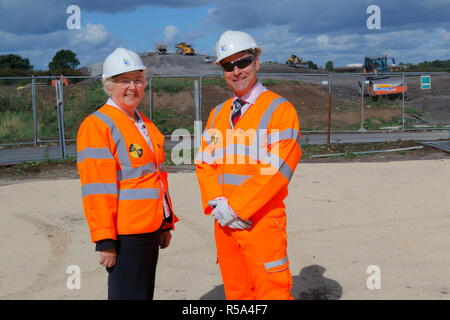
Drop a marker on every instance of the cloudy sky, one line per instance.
(410, 30)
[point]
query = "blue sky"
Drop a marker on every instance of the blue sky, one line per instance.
(411, 30)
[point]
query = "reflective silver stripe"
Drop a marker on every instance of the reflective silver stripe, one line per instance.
(139, 194)
(203, 156)
(94, 153)
(122, 150)
(278, 263)
(282, 135)
(98, 188)
(218, 153)
(244, 150)
(265, 119)
(235, 179)
(161, 167)
(130, 173)
(220, 179)
(127, 172)
(280, 165)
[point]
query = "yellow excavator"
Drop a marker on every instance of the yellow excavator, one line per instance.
(184, 48)
(295, 61)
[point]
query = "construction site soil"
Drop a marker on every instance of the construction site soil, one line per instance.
(310, 100)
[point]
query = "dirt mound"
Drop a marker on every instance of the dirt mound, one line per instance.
(174, 64)
(309, 99)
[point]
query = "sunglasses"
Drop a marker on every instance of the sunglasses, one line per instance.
(241, 63)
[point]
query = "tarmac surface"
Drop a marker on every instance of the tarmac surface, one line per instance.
(359, 230)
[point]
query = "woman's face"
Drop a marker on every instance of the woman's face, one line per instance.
(127, 89)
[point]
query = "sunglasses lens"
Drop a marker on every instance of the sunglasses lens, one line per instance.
(244, 63)
(228, 67)
(241, 64)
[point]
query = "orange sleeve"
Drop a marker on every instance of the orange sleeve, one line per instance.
(97, 170)
(206, 169)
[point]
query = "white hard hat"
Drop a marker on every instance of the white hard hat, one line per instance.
(231, 42)
(120, 61)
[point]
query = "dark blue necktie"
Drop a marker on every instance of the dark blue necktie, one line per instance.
(238, 104)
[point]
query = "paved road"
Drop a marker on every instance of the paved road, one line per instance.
(18, 155)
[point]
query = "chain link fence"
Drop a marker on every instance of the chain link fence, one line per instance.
(40, 116)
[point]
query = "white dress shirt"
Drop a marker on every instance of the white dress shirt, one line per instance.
(250, 97)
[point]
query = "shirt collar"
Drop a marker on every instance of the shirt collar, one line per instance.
(253, 94)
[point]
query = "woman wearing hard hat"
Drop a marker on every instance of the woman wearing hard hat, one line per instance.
(246, 198)
(120, 156)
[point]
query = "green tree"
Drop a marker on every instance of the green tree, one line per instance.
(311, 65)
(14, 62)
(64, 59)
(329, 66)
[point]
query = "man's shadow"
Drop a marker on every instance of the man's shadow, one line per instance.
(310, 284)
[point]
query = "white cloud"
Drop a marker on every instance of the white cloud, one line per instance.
(170, 32)
(92, 34)
(91, 43)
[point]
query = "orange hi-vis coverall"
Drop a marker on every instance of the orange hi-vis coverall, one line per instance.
(251, 165)
(121, 175)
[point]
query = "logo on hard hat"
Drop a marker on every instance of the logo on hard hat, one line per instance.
(223, 48)
(135, 150)
(126, 62)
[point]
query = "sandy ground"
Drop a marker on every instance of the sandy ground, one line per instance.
(343, 218)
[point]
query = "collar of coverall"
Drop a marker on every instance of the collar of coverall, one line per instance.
(112, 103)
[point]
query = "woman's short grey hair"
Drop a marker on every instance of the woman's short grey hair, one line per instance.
(107, 83)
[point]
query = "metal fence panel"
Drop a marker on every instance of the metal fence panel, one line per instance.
(326, 103)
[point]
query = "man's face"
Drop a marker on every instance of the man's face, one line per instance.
(128, 89)
(241, 80)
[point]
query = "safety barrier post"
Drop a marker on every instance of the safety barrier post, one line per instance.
(403, 103)
(361, 129)
(198, 114)
(200, 95)
(150, 99)
(329, 109)
(33, 103)
(60, 114)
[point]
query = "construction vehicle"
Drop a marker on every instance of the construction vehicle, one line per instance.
(184, 48)
(295, 61)
(377, 83)
(161, 48)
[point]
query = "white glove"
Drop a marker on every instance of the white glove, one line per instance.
(238, 223)
(222, 211)
(225, 215)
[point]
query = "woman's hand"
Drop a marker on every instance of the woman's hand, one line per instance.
(108, 257)
(165, 238)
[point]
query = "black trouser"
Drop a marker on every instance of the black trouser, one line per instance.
(133, 276)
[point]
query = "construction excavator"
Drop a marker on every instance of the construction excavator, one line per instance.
(184, 48)
(377, 83)
(295, 61)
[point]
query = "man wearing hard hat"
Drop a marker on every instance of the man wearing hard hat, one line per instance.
(120, 156)
(250, 149)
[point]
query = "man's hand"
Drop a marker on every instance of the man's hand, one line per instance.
(108, 257)
(225, 215)
(165, 238)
